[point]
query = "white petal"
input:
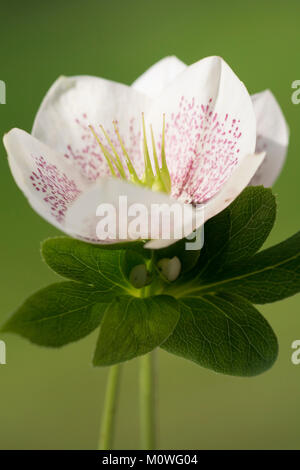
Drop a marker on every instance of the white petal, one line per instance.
(156, 78)
(47, 180)
(120, 198)
(272, 137)
(74, 103)
(234, 186)
(210, 128)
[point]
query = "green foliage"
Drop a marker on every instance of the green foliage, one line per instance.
(206, 315)
(239, 231)
(270, 275)
(132, 327)
(107, 270)
(58, 314)
(225, 333)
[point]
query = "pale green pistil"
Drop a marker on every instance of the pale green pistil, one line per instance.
(157, 179)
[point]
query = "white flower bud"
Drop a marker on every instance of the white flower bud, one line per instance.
(139, 276)
(170, 268)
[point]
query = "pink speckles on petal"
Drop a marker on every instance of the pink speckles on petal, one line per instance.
(88, 156)
(201, 148)
(56, 189)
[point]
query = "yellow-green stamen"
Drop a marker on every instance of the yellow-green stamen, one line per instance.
(148, 178)
(106, 154)
(165, 175)
(158, 181)
(118, 161)
(134, 177)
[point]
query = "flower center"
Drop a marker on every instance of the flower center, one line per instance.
(158, 179)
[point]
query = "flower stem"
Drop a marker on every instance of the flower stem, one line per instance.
(110, 405)
(147, 401)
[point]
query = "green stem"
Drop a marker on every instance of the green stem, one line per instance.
(147, 401)
(110, 405)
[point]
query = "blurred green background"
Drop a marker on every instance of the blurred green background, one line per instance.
(53, 398)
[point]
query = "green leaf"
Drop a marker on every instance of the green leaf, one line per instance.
(91, 264)
(58, 314)
(132, 327)
(270, 275)
(135, 245)
(239, 231)
(224, 333)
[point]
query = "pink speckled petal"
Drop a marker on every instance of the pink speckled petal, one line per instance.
(73, 103)
(272, 137)
(210, 128)
(234, 186)
(156, 78)
(48, 181)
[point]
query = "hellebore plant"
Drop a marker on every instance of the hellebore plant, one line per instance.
(187, 134)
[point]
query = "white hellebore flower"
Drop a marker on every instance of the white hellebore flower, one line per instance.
(209, 139)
